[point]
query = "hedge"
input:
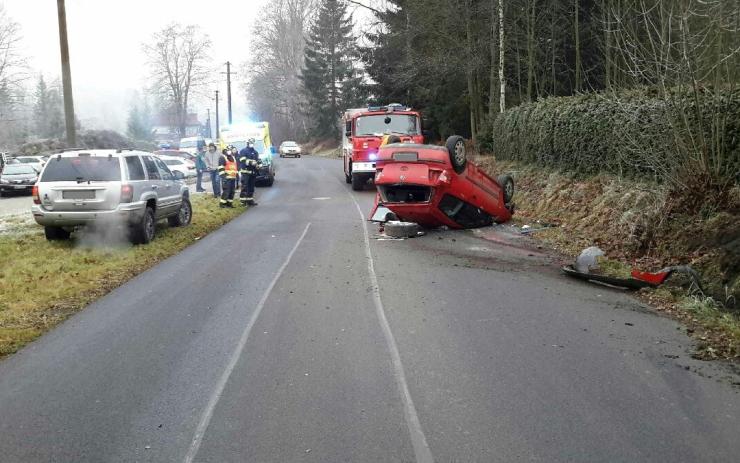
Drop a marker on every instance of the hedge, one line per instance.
(635, 133)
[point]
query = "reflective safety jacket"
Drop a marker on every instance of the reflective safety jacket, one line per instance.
(227, 166)
(249, 161)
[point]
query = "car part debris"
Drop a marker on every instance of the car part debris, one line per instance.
(628, 283)
(661, 276)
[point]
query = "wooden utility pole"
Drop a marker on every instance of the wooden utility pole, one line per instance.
(218, 134)
(69, 107)
(228, 90)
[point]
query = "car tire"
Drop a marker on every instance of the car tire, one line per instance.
(56, 234)
(299, 155)
(270, 182)
(458, 153)
(507, 184)
(184, 215)
(143, 232)
(401, 229)
(347, 178)
(358, 182)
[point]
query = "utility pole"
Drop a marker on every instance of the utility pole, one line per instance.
(228, 89)
(210, 134)
(69, 107)
(218, 135)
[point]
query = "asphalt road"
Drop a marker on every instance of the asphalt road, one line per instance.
(294, 335)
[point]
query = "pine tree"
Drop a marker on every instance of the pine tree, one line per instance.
(48, 113)
(329, 78)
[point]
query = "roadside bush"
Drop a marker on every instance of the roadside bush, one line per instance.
(671, 138)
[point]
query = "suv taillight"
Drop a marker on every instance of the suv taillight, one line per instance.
(127, 193)
(35, 192)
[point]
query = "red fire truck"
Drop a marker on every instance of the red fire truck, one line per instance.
(363, 132)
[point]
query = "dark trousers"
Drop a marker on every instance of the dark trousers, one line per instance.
(228, 186)
(216, 183)
(248, 182)
(199, 180)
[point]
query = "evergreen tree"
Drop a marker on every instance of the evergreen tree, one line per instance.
(329, 78)
(48, 113)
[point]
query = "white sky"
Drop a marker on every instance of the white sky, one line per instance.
(105, 38)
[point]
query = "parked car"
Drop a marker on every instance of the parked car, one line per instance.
(176, 154)
(18, 178)
(290, 148)
(435, 186)
(182, 168)
(37, 162)
(109, 188)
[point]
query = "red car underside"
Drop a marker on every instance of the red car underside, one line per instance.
(419, 184)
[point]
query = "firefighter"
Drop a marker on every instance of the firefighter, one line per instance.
(227, 170)
(249, 164)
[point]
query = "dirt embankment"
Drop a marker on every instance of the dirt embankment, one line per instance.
(326, 148)
(642, 224)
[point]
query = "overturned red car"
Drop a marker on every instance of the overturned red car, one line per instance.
(435, 186)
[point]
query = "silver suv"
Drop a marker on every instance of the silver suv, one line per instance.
(109, 188)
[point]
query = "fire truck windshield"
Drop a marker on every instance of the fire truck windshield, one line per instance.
(387, 123)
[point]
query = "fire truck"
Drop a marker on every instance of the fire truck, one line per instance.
(363, 130)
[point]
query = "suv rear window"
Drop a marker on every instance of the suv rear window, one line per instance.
(82, 169)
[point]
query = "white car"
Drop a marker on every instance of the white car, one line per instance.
(290, 148)
(37, 162)
(179, 166)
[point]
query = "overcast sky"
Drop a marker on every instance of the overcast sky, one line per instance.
(105, 38)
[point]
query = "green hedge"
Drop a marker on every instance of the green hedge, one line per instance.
(635, 133)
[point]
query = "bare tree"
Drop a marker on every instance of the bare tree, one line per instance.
(12, 63)
(178, 56)
(274, 87)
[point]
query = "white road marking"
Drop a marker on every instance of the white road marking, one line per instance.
(422, 452)
(216, 395)
(322, 198)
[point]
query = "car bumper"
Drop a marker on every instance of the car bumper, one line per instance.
(14, 188)
(122, 215)
(265, 174)
(291, 153)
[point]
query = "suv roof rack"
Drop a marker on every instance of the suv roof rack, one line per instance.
(121, 150)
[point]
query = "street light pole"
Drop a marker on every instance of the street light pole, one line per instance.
(69, 107)
(210, 134)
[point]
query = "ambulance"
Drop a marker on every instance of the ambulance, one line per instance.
(238, 135)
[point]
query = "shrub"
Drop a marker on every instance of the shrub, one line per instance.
(667, 137)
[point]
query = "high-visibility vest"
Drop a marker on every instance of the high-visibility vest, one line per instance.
(230, 168)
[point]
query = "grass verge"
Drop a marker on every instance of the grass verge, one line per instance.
(43, 283)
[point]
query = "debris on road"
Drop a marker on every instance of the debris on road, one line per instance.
(587, 261)
(398, 229)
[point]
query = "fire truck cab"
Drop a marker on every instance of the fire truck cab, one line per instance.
(363, 131)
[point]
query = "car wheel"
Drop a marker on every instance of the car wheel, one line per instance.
(507, 184)
(184, 215)
(458, 153)
(143, 232)
(348, 178)
(401, 229)
(56, 233)
(358, 182)
(299, 155)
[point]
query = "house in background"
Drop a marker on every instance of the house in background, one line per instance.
(166, 131)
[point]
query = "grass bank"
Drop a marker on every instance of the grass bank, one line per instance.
(43, 283)
(647, 226)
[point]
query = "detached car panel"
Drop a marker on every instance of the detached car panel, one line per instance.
(435, 186)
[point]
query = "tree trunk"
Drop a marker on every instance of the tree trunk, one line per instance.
(501, 49)
(492, 93)
(531, 19)
(472, 93)
(577, 34)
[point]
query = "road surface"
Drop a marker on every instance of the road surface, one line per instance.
(293, 334)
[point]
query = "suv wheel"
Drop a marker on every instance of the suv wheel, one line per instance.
(143, 232)
(184, 215)
(56, 233)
